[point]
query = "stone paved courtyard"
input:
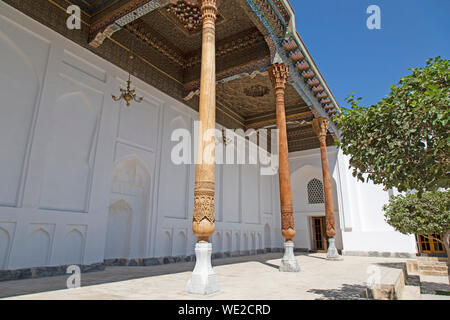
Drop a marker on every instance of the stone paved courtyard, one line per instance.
(253, 277)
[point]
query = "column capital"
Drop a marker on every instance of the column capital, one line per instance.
(209, 9)
(320, 126)
(278, 73)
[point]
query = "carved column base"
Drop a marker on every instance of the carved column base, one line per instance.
(203, 279)
(289, 262)
(332, 253)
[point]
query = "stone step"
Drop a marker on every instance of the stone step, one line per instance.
(410, 293)
(432, 262)
(439, 259)
(434, 273)
(391, 285)
(432, 267)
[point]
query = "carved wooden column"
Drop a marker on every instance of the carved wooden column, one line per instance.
(279, 74)
(203, 280)
(320, 127)
(203, 219)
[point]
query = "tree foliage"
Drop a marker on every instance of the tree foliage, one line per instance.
(427, 214)
(402, 141)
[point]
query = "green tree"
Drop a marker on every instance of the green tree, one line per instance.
(403, 141)
(423, 215)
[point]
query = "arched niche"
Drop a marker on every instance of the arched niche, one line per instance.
(217, 243)
(166, 245)
(38, 248)
(259, 244)
(237, 241)
(245, 246)
(118, 235)
(228, 242)
(129, 210)
(253, 248)
(130, 177)
(179, 248)
(300, 179)
(73, 246)
(267, 236)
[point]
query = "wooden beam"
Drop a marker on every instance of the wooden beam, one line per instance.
(272, 121)
(127, 12)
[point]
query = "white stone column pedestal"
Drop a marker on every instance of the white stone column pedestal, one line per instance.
(203, 279)
(289, 262)
(332, 253)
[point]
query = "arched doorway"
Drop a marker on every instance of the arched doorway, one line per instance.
(128, 213)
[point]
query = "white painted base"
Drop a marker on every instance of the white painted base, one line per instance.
(332, 253)
(289, 262)
(203, 279)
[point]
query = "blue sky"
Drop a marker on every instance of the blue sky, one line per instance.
(353, 58)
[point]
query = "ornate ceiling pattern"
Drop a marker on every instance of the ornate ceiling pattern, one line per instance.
(166, 36)
(233, 94)
(93, 7)
(188, 15)
(287, 41)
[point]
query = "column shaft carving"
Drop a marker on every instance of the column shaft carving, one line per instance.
(203, 217)
(279, 74)
(320, 127)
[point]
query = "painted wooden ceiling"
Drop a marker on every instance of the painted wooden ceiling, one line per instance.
(167, 43)
(93, 7)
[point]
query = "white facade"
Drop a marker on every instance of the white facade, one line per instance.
(84, 178)
(360, 223)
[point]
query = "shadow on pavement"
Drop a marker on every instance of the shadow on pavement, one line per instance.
(345, 292)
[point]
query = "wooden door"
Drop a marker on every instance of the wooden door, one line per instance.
(319, 234)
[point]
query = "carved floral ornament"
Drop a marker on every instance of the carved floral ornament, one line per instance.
(279, 73)
(190, 13)
(287, 221)
(256, 91)
(331, 228)
(320, 126)
(204, 201)
(204, 206)
(187, 13)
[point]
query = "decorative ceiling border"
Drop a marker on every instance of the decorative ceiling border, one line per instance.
(106, 26)
(278, 18)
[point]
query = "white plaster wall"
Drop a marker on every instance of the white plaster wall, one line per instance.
(365, 225)
(357, 206)
(304, 167)
(84, 178)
